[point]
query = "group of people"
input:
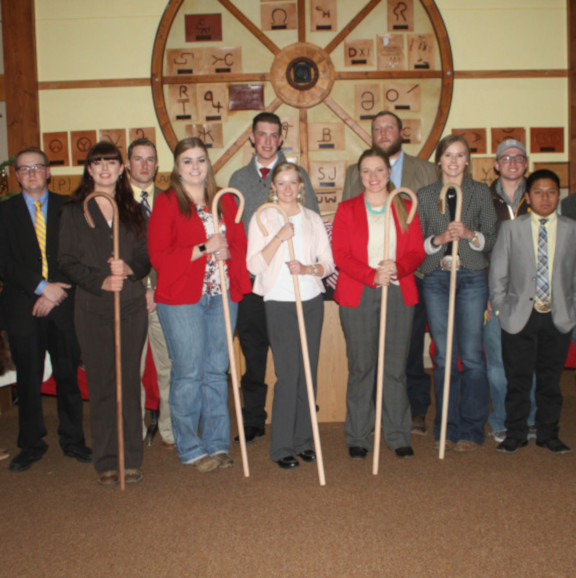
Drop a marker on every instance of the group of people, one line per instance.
(179, 257)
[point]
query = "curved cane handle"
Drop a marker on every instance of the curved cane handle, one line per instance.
(269, 206)
(442, 200)
(90, 220)
(216, 198)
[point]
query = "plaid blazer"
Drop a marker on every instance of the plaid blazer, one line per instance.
(478, 214)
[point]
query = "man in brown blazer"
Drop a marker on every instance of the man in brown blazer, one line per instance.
(413, 173)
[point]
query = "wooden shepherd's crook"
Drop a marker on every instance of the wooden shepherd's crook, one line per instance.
(383, 306)
(303, 344)
(229, 335)
(117, 338)
(451, 306)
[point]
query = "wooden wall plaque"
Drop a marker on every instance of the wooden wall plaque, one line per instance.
(291, 133)
(412, 130)
(223, 60)
(203, 27)
(400, 15)
(483, 170)
(64, 184)
(55, 145)
(561, 169)
(402, 97)
(323, 15)
(117, 136)
(209, 133)
(184, 61)
(328, 201)
(359, 52)
(82, 141)
(368, 101)
(327, 175)
(182, 102)
(326, 136)
(421, 52)
(547, 140)
(475, 137)
(246, 97)
(212, 102)
(499, 135)
(142, 132)
(391, 52)
(281, 16)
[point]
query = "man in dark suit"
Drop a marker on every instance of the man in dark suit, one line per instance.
(414, 173)
(142, 165)
(37, 305)
(533, 292)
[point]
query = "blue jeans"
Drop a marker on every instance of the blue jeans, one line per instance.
(496, 376)
(196, 340)
(469, 403)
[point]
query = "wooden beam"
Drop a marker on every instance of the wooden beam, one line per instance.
(571, 18)
(21, 78)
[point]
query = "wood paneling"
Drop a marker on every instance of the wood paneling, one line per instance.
(22, 114)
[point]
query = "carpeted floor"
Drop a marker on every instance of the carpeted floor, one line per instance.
(481, 514)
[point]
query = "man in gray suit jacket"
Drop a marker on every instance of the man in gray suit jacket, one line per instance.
(414, 173)
(533, 292)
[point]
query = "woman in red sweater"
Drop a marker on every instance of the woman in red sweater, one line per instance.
(185, 246)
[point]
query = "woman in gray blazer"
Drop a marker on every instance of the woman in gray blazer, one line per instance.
(476, 232)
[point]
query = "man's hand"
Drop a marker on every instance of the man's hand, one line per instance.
(42, 307)
(150, 305)
(56, 292)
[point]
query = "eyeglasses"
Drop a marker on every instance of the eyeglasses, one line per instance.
(24, 169)
(512, 158)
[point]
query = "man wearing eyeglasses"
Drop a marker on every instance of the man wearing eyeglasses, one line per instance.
(37, 304)
(508, 195)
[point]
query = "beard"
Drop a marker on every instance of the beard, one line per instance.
(393, 148)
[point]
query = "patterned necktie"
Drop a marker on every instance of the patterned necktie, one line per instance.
(542, 285)
(40, 226)
(264, 172)
(145, 204)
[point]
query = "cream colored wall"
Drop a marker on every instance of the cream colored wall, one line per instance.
(78, 39)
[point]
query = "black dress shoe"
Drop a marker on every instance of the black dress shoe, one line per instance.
(511, 445)
(251, 433)
(308, 456)
(288, 463)
(25, 459)
(81, 453)
(357, 453)
(554, 446)
(404, 452)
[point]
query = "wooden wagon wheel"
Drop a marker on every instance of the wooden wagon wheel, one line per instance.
(315, 91)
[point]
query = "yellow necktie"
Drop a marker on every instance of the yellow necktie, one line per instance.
(40, 226)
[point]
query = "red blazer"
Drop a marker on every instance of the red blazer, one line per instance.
(350, 249)
(171, 238)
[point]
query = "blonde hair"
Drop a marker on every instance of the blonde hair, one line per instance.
(281, 168)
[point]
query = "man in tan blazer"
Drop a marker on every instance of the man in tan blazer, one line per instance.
(414, 173)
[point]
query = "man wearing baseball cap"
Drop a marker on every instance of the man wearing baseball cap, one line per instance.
(508, 195)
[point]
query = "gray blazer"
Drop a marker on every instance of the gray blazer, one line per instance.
(513, 275)
(416, 173)
(478, 214)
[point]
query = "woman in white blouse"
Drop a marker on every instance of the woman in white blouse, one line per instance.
(269, 260)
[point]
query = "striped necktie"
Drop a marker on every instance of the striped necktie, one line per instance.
(542, 283)
(145, 204)
(40, 226)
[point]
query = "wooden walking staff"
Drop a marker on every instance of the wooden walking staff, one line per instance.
(451, 306)
(303, 344)
(383, 306)
(229, 335)
(117, 337)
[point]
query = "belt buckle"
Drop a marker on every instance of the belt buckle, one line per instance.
(446, 262)
(542, 306)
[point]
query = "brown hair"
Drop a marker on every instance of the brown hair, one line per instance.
(399, 205)
(443, 146)
(210, 187)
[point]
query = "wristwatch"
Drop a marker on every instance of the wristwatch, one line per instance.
(202, 248)
(315, 270)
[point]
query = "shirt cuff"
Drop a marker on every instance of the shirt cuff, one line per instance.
(481, 242)
(41, 286)
(430, 250)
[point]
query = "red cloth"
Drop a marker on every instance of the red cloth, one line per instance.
(149, 380)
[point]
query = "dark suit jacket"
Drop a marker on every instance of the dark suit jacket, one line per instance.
(513, 275)
(350, 249)
(416, 173)
(21, 264)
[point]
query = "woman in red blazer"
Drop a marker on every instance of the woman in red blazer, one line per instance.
(358, 247)
(185, 246)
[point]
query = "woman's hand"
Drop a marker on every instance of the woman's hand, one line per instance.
(120, 268)
(459, 231)
(218, 246)
(113, 283)
(296, 268)
(386, 271)
(286, 232)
